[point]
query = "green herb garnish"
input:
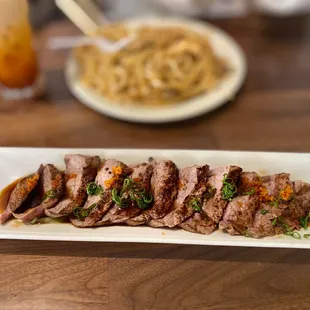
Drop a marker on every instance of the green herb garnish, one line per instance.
(274, 222)
(194, 203)
(289, 232)
(229, 188)
(247, 234)
(210, 192)
(264, 212)
(93, 189)
(34, 221)
(139, 195)
(304, 221)
(53, 193)
(41, 220)
(128, 183)
(82, 213)
(274, 203)
(250, 192)
(143, 199)
(306, 236)
(294, 234)
(118, 200)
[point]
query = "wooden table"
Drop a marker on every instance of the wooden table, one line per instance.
(272, 112)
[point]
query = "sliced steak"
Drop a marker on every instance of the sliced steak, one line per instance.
(192, 186)
(240, 212)
(4, 200)
(300, 204)
(164, 186)
(111, 175)
(80, 171)
(20, 193)
(51, 188)
(215, 205)
(275, 194)
(297, 213)
(199, 223)
(141, 176)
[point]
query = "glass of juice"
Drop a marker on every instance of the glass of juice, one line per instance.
(18, 59)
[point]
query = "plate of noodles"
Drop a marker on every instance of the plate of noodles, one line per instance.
(173, 69)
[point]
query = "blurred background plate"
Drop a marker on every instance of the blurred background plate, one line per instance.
(224, 46)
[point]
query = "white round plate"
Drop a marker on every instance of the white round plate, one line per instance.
(223, 45)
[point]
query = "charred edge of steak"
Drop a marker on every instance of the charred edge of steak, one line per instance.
(20, 193)
(111, 175)
(274, 204)
(219, 180)
(165, 188)
(192, 187)
(141, 177)
(164, 184)
(4, 200)
(199, 223)
(50, 191)
(240, 212)
(85, 169)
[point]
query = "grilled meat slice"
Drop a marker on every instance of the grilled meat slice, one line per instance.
(20, 193)
(192, 186)
(4, 200)
(199, 223)
(240, 212)
(80, 170)
(51, 188)
(164, 185)
(276, 192)
(141, 176)
(111, 175)
(165, 188)
(215, 205)
(299, 206)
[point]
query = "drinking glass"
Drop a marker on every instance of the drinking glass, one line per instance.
(18, 59)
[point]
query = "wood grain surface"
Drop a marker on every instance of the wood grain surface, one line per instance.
(272, 112)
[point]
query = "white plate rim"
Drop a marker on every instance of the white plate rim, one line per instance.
(27, 159)
(192, 108)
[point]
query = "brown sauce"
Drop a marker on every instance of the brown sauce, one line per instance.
(5, 195)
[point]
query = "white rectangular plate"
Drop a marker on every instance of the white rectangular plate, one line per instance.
(16, 162)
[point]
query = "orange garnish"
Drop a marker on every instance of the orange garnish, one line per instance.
(71, 175)
(287, 193)
(137, 179)
(109, 183)
(32, 182)
(117, 170)
(181, 185)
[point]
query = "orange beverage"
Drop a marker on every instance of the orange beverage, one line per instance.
(18, 60)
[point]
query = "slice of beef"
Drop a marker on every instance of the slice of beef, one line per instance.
(20, 193)
(164, 185)
(80, 171)
(5, 213)
(141, 176)
(275, 195)
(165, 188)
(240, 212)
(299, 206)
(215, 205)
(192, 186)
(199, 223)
(50, 188)
(111, 175)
